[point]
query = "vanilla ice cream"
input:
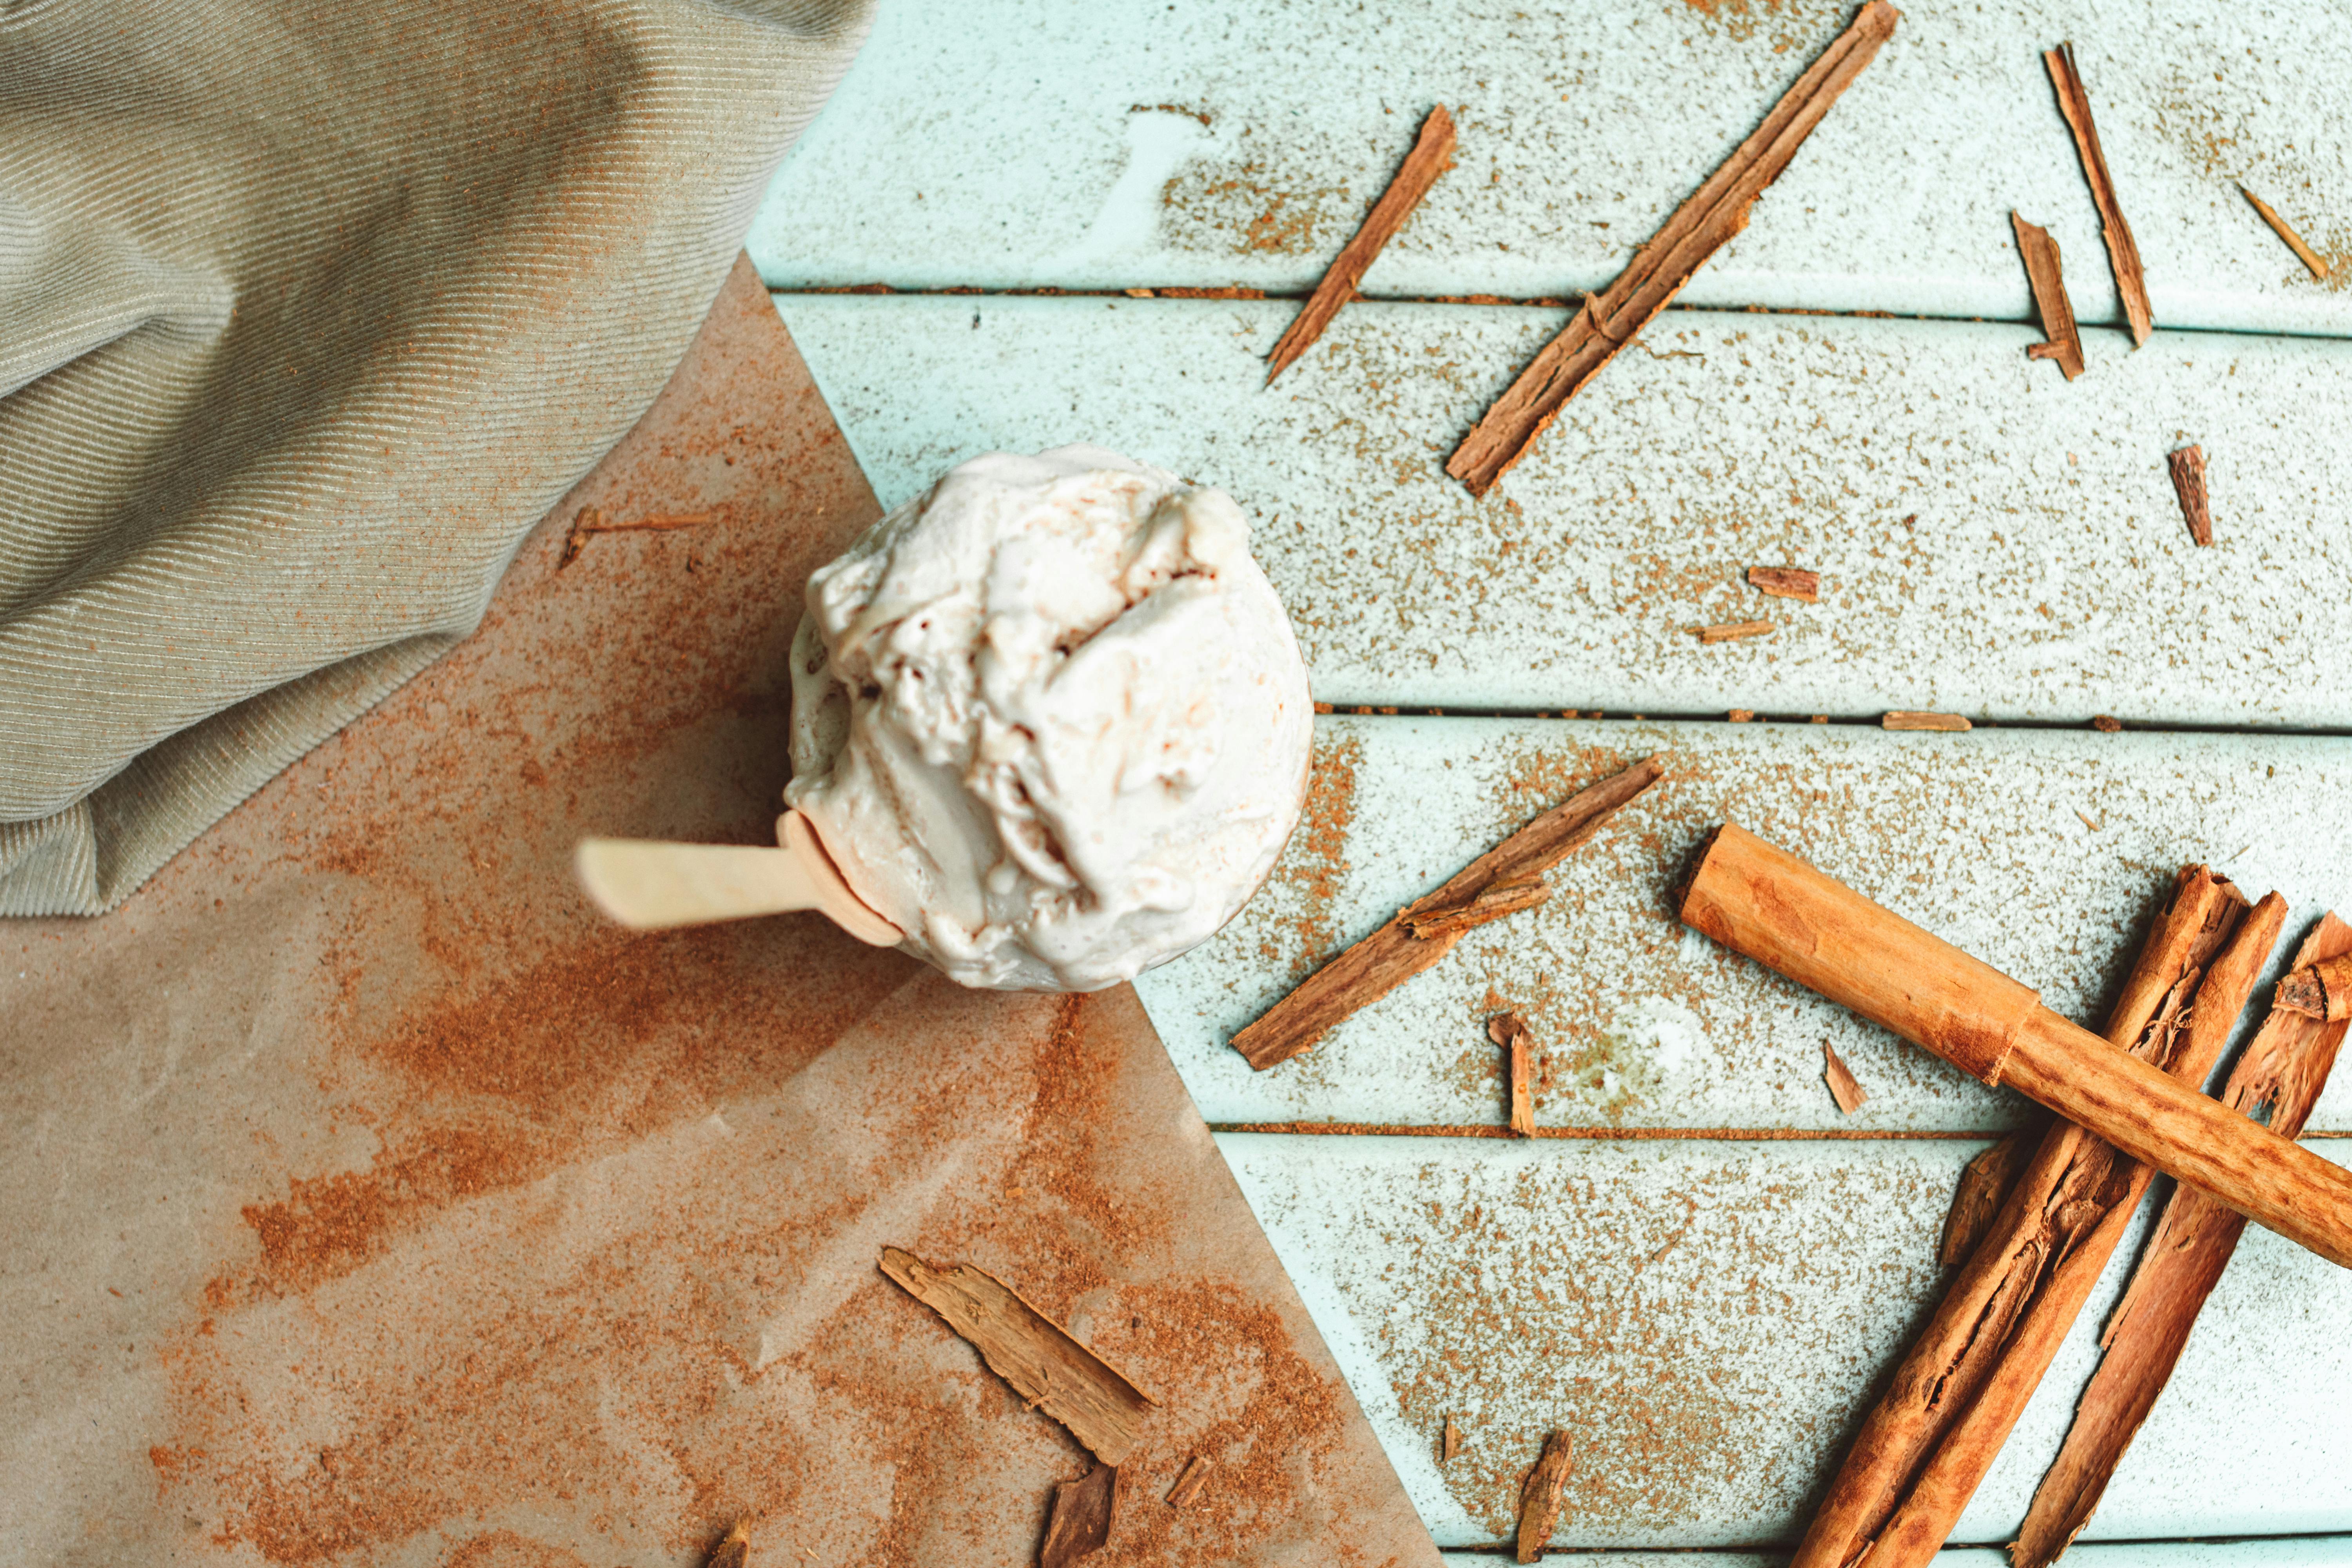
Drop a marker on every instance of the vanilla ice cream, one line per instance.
(1049, 717)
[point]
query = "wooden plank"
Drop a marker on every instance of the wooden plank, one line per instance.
(1993, 541)
(1980, 837)
(1706, 1316)
(1022, 143)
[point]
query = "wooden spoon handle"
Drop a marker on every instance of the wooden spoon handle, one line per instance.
(652, 886)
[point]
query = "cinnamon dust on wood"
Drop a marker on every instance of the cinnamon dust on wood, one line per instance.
(2123, 251)
(2064, 343)
(1712, 215)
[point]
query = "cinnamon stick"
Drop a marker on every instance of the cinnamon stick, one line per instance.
(2123, 251)
(1983, 1191)
(2304, 253)
(1848, 1093)
(1451, 1443)
(2285, 1068)
(1952, 724)
(1490, 904)
(2188, 469)
(1509, 1031)
(1081, 1520)
(1765, 902)
(1188, 1485)
(1717, 211)
(1393, 954)
(1786, 582)
(1028, 1350)
(1432, 155)
(1540, 1496)
(1732, 631)
(2320, 990)
(2064, 344)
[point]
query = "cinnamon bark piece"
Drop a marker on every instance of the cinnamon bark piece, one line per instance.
(1188, 1485)
(1045, 1366)
(1906, 719)
(1732, 631)
(1432, 155)
(1451, 1443)
(1510, 1031)
(1786, 582)
(1983, 1191)
(1392, 954)
(1081, 1520)
(1539, 1497)
(1844, 1088)
(733, 1551)
(2064, 344)
(1490, 904)
(2304, 253)
(2319, 989)
(2188, 467)
(2283, 1067)
(2123, 251)
(1929, 1442)
(1718, 210)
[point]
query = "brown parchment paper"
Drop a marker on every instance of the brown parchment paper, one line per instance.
(368, 1201)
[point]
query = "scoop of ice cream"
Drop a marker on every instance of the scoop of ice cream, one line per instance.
(1050, 719)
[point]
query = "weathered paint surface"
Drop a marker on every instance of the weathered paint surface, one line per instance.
(1993, 540)
(1707, 1318)
(1981, 838)
(1029, 143)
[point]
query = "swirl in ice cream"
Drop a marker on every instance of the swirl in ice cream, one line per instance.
(1050, 719)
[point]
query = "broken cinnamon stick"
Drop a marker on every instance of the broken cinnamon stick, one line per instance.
(2283, 1067)
(2064, 344)
(2123, 251)
(1432, 155)
(1765, 903)
(1718, 210)
(1081, 1520)
(1188, 1485)
(1947, 722)
(592, 521)
(2304, 253)
(2188, 467)
(1848, 1093)
(1984, 1188)
(1733, 631)
(1490, 904)
(2320, 990)
(733, 1551)
(1045, 1366)
(1509, 1031)
(1540, 1495)
(1786, 582)
(1392, 954)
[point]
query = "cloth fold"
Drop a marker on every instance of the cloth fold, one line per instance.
(307, 313)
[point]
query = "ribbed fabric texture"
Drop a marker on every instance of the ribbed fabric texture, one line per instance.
(308, 311)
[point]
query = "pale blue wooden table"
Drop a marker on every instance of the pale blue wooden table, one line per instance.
(1704, 1287)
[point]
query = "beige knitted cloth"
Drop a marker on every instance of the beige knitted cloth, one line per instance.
(308, 310)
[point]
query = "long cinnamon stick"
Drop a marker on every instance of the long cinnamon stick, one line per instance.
(2123, 251)
(1771, 906)
(2285, 1068)
(1413, 940)
(1701, 226)
(1432, 155)
(2064, 344)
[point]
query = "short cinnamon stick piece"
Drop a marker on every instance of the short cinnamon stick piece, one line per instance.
(1786, 582)
(1906, 719)
(2123, 251)
(1716, 212)
(1844, 1088)
(1045, 1366)
(1393, 954)
(2304, 253)
(1510, 1031)
(1733, 631)
(733, 1551)
(1188, 1485)
(2064, 344)
(1983, 1191)
(1539, 1497)
(2187, 466)
(1081, 1519)
(2285, 1068)
(1432, 155)
(1491, 904)
(2319, 989)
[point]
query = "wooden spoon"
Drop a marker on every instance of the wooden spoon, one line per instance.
(652, 885)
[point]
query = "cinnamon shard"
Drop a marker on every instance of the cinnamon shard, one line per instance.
(1786, 582)
(733, 1551)
(1732, 631)
(1392, 954)
(1539, 1497)
(1450, 1444)
(1432, 155)
(1848, 1093)
(1510, 1031)
(2123, 251)
(1045, 1366)
(1985, 1185)
(1491, 904)
(1902, 719)
(2064, 343)
(1716, 212)
(591, 519)
(2304, 253)
(1188, 1485)
(2187, 466)
(2318, 989)
(2285, 1068)
(1081, 1520)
